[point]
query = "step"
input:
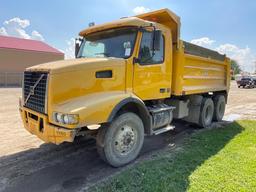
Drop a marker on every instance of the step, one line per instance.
(163, 130)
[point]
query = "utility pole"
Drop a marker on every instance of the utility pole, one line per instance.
(254, 67)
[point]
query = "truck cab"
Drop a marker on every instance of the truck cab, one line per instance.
(129, 79)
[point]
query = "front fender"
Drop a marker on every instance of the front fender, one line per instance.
(92, 109)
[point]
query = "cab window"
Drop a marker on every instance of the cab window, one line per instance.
(146, 55)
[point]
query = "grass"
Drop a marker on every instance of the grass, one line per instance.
(221, 159)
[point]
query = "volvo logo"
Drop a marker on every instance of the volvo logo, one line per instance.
(31, 90)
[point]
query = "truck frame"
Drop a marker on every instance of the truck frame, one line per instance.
(130, 78)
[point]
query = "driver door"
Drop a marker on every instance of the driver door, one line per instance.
(150, 79)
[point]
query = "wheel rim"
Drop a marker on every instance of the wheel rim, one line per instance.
(125, 140)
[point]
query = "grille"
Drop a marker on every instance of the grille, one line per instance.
(35, 94)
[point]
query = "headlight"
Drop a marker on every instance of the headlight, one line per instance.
(69, 119)
(59, 118)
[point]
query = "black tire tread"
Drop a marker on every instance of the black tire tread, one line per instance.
(100, 142)
(201, 116)
(215, 101)
(104, 136)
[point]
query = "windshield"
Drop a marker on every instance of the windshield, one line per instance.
(111, 43)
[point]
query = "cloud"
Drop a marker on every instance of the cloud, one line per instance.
(227, 48)
(17, 27)
(204, 41)
(140, 9)
(244, 56)
(70, 49)
(37, 36)
(16, 21)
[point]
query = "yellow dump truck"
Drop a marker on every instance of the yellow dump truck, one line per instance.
(130, 78)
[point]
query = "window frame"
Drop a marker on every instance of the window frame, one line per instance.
(157, 63)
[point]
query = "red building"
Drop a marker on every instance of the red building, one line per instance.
(17, 54)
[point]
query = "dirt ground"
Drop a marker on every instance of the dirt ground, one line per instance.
(241, 103)
(27, 163)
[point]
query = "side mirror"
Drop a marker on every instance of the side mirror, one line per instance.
(157, 40)
(77, 45)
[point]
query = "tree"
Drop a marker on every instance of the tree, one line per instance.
(235, 67)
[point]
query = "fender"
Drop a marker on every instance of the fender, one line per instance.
(92, 109)
(140, 109)
(101, 108)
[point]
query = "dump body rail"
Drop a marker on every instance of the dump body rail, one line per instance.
(198, 70)
(196, 50)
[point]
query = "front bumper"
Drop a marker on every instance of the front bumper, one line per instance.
(37, 124)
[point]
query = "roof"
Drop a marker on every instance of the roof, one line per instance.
(7, 42)
(128, 21)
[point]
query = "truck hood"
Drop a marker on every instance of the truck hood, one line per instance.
(76, 65)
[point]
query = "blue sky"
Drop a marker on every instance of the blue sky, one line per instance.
(228, 26)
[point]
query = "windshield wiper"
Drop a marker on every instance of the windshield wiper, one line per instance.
(105, 54)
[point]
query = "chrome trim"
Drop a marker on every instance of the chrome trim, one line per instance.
(46, 95)
(22, 87)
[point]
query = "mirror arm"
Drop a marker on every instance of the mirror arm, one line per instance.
(78, 42)
(154, 37)
(136, 60)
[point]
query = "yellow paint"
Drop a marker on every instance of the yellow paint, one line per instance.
(92, 108)
(149, 79)
(74, 89)
(193, 74)
(50, 133)
(168, 19)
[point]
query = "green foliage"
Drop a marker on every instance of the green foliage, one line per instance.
(235, 67)
(221, 159)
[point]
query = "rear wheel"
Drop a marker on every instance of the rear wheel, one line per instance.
(219, 107)
(120, 142)
(206, 112)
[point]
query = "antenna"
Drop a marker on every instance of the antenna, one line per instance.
(91, 24)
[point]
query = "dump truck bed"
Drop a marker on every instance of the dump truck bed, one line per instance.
(199, 70)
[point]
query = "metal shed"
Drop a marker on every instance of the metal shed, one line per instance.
(17, 54)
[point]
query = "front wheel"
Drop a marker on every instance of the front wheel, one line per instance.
(120, 142)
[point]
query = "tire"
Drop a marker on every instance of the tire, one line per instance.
(219, 107)
(206, 112)
(120, 143)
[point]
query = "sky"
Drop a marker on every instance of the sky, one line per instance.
(226, 26)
